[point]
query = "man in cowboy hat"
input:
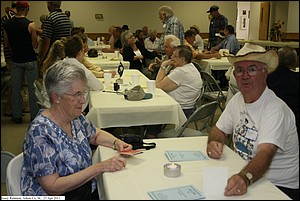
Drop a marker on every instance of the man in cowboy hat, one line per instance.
(198, 43)
(263, 127)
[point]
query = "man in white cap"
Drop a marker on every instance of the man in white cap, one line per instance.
(217, 23)
(262, 126)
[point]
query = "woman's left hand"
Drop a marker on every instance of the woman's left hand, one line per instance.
(122, 146)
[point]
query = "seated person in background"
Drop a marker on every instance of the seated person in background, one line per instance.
(56, 53)
(95, 69)
(111, 41)
(189, 38)
(230, 42)
(152, 42)
(117, 31)
(285, 82)
(198, 43)
(77, 30)
(139, 37)
(117, 37)
(135, 53)
(74, 52)
(146, 34)
(184, 83)
(56, 148)
(262, 127)
(170, 42)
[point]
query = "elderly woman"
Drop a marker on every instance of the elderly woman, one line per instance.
(136, 53)
(184, 83)
(57, 153)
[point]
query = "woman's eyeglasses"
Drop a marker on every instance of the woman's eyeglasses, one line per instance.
(251, 70)
(79, 95)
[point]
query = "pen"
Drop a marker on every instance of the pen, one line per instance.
(110, 91)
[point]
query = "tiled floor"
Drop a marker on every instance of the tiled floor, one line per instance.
(12, 135)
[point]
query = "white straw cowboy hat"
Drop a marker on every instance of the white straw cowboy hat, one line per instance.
(253, 52)
(196, 27)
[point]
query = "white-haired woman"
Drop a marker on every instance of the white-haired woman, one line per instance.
(57, 152)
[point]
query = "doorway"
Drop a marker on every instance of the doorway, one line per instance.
(264, 21)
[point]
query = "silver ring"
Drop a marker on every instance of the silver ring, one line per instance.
(239, 191)
(209, 153)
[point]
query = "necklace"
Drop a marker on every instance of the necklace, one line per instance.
(68, 131)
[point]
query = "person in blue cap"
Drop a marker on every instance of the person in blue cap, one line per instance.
(217, 23)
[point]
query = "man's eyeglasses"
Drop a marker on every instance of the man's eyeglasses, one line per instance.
(79, 95)
(251, 70)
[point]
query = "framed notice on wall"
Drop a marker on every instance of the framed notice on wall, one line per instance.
(243, 22)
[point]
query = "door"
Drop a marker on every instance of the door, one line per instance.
(264, 21)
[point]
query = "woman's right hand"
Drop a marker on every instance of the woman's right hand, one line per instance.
(113, 164)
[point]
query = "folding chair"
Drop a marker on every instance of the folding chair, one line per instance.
(6, 157)
(212, 90)
(13, 175)
(203, 114)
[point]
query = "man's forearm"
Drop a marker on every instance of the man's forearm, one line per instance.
(216, 135)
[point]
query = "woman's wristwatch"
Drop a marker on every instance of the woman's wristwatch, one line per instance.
(163, 67)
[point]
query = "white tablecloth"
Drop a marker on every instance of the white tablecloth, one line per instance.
(113, 110)
(215, 64)
(144, 172)
(108, 61)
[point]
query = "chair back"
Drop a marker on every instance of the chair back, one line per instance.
(205, 113)
(13, 176)
(212, 90)
(6, 156)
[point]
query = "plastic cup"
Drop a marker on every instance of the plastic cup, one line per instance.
(107, 79)
(151, 86)
(135, 79)
(117, 54)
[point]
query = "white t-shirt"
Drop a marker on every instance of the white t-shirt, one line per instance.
(151, 46)
(198, 43)
(189, 84)
(267, 120)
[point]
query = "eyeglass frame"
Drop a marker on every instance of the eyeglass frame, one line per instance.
(78, 95)
(251, 70)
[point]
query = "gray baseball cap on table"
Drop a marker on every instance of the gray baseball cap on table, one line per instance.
(136, 93)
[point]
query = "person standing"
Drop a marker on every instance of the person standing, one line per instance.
(68, 14)
(217, 23)
(261, 125)
(56, 25)
(171, 25)
(20, 34)
(7, 54)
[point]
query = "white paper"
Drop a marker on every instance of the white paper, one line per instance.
(214, 182)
